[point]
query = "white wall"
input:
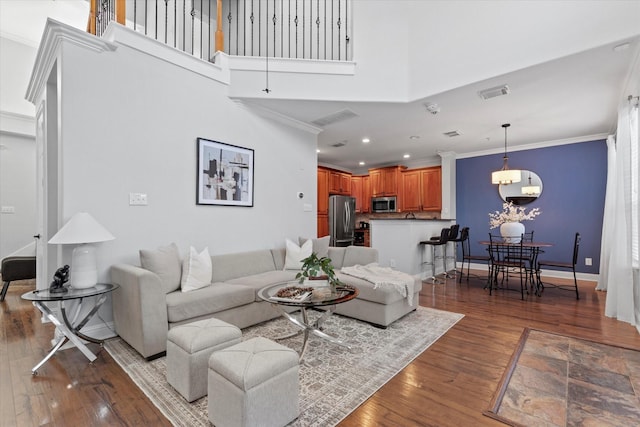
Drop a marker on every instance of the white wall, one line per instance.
(17, 191)
(15, 69)
(137, 133)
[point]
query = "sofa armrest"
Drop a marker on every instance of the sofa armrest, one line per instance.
(140, 309)
(18, 268)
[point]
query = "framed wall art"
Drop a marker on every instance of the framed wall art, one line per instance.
(225, 174)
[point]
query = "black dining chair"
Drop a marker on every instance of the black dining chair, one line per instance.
(467, 256)
(454, 238)
(506, 258)
(563, 264)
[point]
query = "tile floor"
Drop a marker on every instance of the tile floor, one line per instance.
(563, 381)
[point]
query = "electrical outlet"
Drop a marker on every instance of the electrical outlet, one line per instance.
(137, 199)
(588, 261)
(392, 263)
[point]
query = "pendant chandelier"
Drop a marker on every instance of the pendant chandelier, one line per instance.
(505, 175)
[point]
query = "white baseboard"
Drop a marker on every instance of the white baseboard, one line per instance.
(557, 274)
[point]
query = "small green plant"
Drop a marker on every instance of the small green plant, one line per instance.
(313, 266)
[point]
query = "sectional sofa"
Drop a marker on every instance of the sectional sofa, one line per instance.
(147, 303)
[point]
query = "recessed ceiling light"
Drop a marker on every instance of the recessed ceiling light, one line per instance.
(406, 156)
(366, 140)
(361, 163)
(318, 150)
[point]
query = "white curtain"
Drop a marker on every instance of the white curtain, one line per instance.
(616, 258)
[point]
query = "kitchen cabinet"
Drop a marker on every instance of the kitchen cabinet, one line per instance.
(323, 191)
(358, 191)
(323, 225)
(422, 190)
(366, 194)
(339, 183)
(385, 181)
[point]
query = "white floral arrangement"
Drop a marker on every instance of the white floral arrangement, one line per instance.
(511, 213)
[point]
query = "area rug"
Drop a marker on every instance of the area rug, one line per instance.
(333, 380)
(556, 380)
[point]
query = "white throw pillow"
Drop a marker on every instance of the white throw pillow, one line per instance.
(320, 245)
(196, 270)
(295, 254)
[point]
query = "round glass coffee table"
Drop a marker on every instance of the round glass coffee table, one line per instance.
(326, 300)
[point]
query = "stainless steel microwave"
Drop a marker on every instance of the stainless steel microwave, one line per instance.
(383, 204)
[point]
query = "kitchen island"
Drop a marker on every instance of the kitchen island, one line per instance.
(398, 243)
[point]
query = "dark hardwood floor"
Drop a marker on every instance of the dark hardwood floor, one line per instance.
(450, 384)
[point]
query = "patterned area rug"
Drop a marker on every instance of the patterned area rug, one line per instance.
(333, 380)
(555, 380)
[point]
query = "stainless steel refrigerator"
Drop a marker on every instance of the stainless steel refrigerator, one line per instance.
(342, 220)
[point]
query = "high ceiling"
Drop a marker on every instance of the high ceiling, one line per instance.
(573, 98)
(566, 100)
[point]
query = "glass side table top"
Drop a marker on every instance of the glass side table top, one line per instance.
(45, 295)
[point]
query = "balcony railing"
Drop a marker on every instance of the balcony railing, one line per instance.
(304, 29)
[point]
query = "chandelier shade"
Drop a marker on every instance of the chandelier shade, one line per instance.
(505, 175)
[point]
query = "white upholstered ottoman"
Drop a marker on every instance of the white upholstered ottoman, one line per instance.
(254, 383)
(188, 349)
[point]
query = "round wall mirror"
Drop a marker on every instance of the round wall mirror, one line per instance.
(521, 193)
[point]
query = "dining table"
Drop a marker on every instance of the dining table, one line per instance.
(533, 250)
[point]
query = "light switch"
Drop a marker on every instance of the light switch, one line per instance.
(307, 207)
(8, 209)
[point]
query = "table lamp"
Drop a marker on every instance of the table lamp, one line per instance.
(82, 229)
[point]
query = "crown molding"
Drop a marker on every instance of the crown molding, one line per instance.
(54, 34)
(278, 117)
(17, 124)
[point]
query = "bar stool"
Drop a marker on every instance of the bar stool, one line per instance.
(453, 238)
(434, 242)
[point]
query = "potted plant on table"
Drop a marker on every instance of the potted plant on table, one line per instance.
(511, 229)
(318, 268)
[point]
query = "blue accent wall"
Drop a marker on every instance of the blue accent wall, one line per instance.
(574, 182)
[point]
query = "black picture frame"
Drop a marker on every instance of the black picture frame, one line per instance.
(224, 174)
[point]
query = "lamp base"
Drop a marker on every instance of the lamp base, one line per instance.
(84, 272)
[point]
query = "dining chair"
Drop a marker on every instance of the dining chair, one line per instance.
(506, 258)
(562, 264)
(468, 257)
(453, 238)
(528, 255)
(435, 242)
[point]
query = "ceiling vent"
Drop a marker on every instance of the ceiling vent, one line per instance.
(494, 91)
(336, 117)
(452, 133)
(339, 144)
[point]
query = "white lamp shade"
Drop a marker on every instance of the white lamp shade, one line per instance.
(81, 228)
(505, 176)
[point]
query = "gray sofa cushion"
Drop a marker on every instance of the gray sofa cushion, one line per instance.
(165, 262)
(359, 255)
(337, 256)
(208, 300)
(259, 281)
(231, 266)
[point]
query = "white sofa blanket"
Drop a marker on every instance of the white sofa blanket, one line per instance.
(383, 276)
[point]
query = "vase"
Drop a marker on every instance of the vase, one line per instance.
(511, 232)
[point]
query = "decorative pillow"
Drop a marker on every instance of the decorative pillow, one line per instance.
(165, 262)
(196, 270)
(320, 246)
(295, 254)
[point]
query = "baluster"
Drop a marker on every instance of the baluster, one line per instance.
(339, 24)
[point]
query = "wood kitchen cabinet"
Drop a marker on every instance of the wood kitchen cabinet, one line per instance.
(422, 189)
(385, 181)
(323, 225)
(339, 183)
(323, 192)
(366, 194)
(361, 190)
